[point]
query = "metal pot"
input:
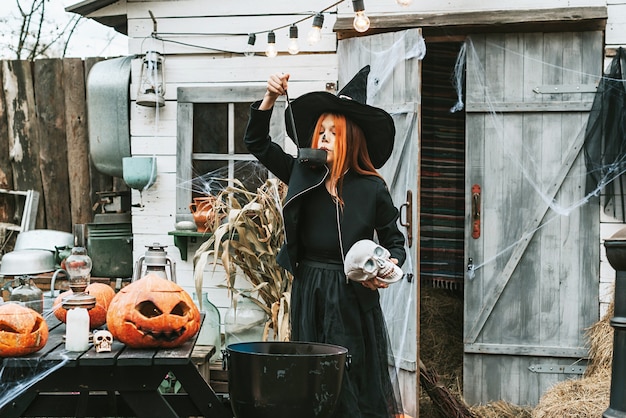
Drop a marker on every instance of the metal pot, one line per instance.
(17, 263)
(43, 239)
(284, 379)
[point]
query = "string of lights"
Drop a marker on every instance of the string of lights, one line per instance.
(361, 24)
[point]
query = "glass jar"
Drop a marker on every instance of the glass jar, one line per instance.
(244, 321)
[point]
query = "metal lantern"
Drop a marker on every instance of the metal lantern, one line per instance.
(152, 81)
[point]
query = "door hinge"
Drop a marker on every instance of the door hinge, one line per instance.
(557, 368)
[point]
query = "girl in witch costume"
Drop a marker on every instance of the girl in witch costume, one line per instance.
(330, 206)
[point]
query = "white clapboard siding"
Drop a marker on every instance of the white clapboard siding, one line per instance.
(197, 69)
(615, 32)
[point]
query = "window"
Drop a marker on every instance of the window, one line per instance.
(210, 151)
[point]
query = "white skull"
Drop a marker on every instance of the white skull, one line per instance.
(102, 340)
(366, 260)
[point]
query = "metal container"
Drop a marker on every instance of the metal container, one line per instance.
(17, 263)
(284, 379)
(43, 239)
(110, 246)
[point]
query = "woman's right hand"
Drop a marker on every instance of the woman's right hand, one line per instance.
(276, 86)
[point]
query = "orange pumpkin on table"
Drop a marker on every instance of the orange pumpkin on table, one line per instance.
(22, 330)
(153, 312)
(98, 314)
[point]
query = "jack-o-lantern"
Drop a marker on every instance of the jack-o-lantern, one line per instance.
(103, 293)
(153, 312)
(22, 330)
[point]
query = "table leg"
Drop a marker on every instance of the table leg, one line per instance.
(200, 392)
(148, 404)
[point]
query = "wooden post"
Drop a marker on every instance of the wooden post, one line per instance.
(77, 141)
(22, 129)
(49, 80)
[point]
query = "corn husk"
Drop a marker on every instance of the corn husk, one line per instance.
(247, 237)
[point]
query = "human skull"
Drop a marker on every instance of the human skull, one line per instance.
(103, 340)
(366, 260)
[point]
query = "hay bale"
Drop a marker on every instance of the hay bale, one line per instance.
(441, 342)
(587, 397)
(501, 409)
(577, 398)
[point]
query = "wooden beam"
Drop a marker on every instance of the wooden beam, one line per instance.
(452, 24)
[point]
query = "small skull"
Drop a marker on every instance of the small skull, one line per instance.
(102, 340)
(366, 260)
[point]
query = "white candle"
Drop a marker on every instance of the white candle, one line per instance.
(77, 330)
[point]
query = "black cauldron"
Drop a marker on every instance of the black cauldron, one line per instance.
(284, 379)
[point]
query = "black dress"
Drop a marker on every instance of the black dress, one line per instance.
(325, 309)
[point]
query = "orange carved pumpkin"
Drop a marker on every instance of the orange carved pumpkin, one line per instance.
(22, 330)
(153, 312)
(98, 314)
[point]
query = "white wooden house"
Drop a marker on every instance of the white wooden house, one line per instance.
(537, 272)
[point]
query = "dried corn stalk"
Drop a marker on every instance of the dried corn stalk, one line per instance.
(248, 234)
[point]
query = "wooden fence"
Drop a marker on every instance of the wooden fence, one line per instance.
(44, 142)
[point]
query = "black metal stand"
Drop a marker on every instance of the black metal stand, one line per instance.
(616, 254)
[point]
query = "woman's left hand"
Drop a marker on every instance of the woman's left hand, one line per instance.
(375, 283)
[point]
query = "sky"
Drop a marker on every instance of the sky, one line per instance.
(90, 39)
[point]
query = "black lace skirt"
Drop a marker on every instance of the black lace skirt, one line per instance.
(325, 309)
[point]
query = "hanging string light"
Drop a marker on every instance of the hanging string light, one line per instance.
(361, 21)
(249, 52)
(271, 50)
(293, 47)
(315, 34)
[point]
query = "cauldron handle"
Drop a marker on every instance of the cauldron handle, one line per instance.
(348, 361)
(225, 357)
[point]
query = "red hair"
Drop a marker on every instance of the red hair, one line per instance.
(350, 151)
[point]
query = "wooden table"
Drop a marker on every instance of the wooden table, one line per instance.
(123, 382)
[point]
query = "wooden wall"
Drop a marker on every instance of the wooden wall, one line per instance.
(44, 143)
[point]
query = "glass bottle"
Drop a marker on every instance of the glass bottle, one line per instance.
(78, 266)
(210, 332)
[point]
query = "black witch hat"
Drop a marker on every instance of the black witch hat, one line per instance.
(377, 124)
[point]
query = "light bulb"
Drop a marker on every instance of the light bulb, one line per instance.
(315, 34)
(271, 50)
(249, 52)
(404, 3)
(361, 21)
(293, 47)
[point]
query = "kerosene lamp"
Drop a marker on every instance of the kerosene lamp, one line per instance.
(78, 265)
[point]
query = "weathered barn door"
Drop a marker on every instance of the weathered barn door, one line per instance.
(394, 85)
(532, 236)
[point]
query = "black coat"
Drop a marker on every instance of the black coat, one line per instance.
(368, 206)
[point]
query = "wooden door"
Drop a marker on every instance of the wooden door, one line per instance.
(532, 285)
(394, 85)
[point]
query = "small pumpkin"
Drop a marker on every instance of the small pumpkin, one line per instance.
(153, 312)
(22, 330)
(98, 314)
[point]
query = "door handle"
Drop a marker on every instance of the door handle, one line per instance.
(408, 216)
(475, 211)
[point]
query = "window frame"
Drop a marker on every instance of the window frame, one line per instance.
(187, 97)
